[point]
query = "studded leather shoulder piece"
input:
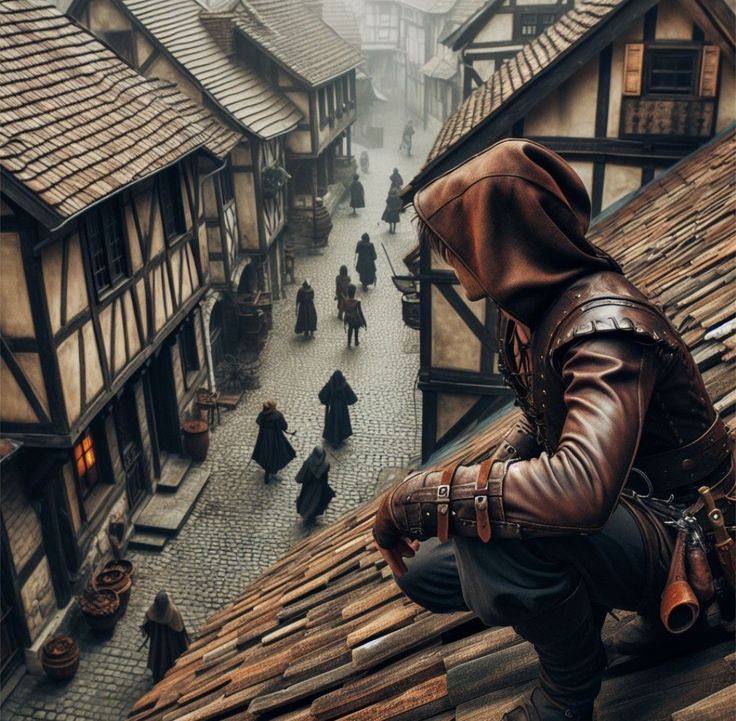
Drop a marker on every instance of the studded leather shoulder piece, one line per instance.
(592, 307)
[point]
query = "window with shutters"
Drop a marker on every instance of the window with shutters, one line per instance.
(670, 72)
(105, 240)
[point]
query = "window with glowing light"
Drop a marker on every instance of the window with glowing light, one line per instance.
(86, 464)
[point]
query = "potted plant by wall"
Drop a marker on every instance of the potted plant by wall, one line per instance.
(196, 439)
(60, 657)
(100, 608)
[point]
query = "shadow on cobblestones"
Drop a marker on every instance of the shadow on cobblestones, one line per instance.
(239, 525)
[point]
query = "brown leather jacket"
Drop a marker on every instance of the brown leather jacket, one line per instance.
(605, 382)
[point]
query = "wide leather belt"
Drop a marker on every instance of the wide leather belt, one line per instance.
(687, 465)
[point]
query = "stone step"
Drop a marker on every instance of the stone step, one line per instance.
(147, 541)
(165, 513)
(172, 474)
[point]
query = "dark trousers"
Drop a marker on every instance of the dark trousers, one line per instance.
(353, 329)
(510, 582)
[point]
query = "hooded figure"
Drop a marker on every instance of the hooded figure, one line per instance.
(342, 282)
(396, 180)
(545, 536)
(168, 639)
(306, 313)
(316, 493)
(273, 451)
(366, 261)
(336, 396)
(357, 194)
(391, 214)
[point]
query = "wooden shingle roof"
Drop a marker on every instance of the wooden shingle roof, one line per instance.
(219, 139)
(239, 90)
(296, 38)
(339, 15)
(76, 123)
(326, 634)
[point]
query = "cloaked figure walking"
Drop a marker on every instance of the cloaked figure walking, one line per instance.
(164, 630)
(273, 450)
(306, 313)
(342, 281)
(396, 180)
(336, 396)
(354, 318)
(366, 261)
(357, 194)
(316, 493)
(392, 213)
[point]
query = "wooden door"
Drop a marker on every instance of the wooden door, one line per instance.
(163, 400)
(131, 450)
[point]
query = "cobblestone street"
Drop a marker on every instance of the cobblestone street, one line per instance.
(239, 525)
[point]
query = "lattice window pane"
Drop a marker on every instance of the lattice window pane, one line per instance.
(671, 71)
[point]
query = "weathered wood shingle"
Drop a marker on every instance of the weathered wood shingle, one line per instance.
(296, 38)
(239, 90)
(76, 123)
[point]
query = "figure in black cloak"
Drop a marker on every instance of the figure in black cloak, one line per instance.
(273, 451)
(391, 214)
(354, 318)
(165, 632)
(342, 281)
(396, 180)
(357, 194)
(366, 261)
(336, 396)
(306, 313)
(316, 493)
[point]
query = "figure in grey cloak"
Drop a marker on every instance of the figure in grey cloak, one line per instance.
(316, 493)
(336, 396)
(391, 214)
(366, 261)
(357, 194)
(167, 636)
(306, 313)
(273, 451)
(396, 180)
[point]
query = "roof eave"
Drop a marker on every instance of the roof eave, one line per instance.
(520, 103)
(462, 35)
(19, 193)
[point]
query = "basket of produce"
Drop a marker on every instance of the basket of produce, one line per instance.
(100, 608)
(117, 580)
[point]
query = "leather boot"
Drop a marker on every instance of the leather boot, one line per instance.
(572, 659)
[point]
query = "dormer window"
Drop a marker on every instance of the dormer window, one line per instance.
(671, 71)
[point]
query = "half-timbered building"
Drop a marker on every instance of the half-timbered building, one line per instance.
(104, 261)
(622, 89)
(484, 33)
(192, 47)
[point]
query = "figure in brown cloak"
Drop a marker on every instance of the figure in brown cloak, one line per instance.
(366, 261)
(316, 493)
(336, 396)
(342, 281)
(354, 318)
(357, 194)
(165, 632)
(391, 214)
(273, 451)
(548, 534)
(306, 313)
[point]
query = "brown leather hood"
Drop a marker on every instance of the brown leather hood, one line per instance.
(514, 217)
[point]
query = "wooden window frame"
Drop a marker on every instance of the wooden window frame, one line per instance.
(653, 52)
(172, 177)
(187, 340)
(108, 266)
(550, 12)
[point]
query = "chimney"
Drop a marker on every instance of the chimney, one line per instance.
(220, 26)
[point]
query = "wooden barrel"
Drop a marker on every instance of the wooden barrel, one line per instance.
(60, 657)
(196, 439)
(100, 609)
(117, 580)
